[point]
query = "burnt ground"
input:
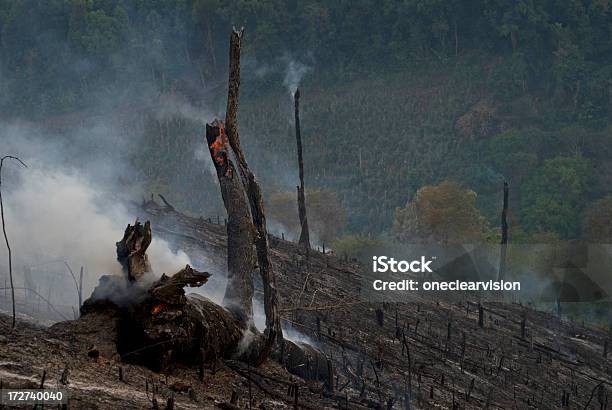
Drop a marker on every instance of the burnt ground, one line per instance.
(94, 383)
(422, 354)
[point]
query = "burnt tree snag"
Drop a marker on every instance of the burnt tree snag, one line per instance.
(273, 332)
(304, 240)
(240, 256)
(247, 226)
(504, 235)
(131, 250)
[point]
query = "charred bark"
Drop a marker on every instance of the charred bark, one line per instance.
(273, 332)
(304, 240)
(240, 256)
(131, 250)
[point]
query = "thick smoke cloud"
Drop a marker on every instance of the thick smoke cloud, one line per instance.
(57, 216)
(68, 206)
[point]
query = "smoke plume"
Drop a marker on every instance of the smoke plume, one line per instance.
(293, 75)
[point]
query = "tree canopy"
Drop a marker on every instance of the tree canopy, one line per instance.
(445, 213)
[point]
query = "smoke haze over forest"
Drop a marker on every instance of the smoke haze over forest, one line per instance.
(107, 100)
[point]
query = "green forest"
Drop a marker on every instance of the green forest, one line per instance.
(420, 95)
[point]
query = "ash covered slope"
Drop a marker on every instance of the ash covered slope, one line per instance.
(430, 353)
(101, 383)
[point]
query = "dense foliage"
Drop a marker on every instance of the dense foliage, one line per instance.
(398, 95)
(445, 213)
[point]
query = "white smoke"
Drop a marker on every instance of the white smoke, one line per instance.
(60, 216)
(202, 154)
(172, 105)
(289, 332)
(293, 75)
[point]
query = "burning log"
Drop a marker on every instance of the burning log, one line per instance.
(168, 327)
(158, 326)
(131, 250)
(304, 240)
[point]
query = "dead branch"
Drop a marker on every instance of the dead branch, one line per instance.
(586, 406)
(8, 246)
(76, 284)
(166, 203)
(303, 289)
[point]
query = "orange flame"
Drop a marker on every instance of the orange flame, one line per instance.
(158, 308)
(218, 146)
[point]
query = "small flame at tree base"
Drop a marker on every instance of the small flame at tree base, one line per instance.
(158, 309)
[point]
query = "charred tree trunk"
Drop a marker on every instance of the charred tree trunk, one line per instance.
(240, 256)
(131, 250)
(504, 235)
(273, 332)
(304, 233)
(236, 181)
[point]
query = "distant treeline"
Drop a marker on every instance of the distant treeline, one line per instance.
(56, 53)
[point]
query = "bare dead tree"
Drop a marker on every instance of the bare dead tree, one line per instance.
(8, 246)
(304, 240)
(273, 332)
(504, 235)
(247, 226)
